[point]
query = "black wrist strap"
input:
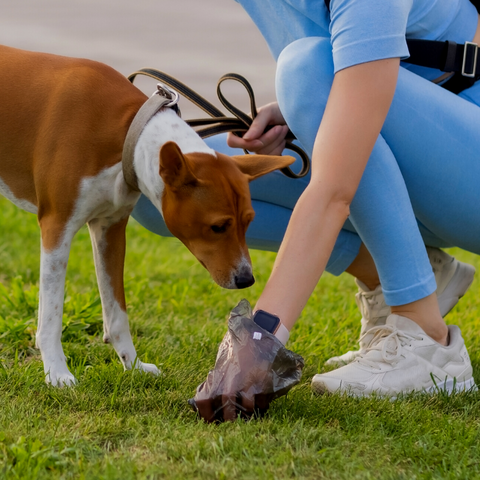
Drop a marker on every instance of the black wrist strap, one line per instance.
(266, 320)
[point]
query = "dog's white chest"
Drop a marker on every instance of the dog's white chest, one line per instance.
(105, 195)
(165, 126)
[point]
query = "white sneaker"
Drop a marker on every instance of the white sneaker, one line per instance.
(453, 280)
(375, 311)
(452, 276)
(402, 358)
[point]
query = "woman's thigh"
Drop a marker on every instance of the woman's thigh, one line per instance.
(281, 22)
(435, 138)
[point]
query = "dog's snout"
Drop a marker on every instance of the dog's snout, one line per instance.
(244, 281)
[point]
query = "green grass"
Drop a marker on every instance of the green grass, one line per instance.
(124, 425)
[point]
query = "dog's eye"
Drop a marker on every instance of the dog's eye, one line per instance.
(220, 228)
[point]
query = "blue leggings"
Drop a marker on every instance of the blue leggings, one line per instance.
(421, 184)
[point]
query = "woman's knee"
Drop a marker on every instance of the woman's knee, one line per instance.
(303, 81)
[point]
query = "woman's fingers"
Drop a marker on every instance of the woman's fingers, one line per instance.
(273, 137)
(255, 140)
(275, 146)
(270, 143)
(258, 126)
(238, 142)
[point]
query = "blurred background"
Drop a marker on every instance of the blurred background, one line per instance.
(196, 41)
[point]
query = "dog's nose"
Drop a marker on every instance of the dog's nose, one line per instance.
(244, 281)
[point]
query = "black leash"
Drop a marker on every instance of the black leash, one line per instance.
(218, 122)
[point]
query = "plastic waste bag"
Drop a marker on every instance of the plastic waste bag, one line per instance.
(252, 369)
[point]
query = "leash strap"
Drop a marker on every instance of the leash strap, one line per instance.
(218, 122)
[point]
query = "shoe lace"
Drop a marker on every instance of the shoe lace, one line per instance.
(366, 302)
(388, 341)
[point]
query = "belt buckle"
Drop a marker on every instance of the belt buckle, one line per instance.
(466, 48)
(168, 93)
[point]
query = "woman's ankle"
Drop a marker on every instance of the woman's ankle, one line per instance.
(426, 314)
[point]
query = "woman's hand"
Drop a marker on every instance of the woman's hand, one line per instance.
(252, 369)
(255, 140)
(357, 106)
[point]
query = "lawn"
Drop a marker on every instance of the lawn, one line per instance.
(122, 425)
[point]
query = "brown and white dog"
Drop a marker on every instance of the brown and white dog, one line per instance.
(63, 122)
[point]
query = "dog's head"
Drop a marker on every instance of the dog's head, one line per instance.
(206, 204)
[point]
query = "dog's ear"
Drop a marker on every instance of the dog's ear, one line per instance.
(174, 167)
(254, 166)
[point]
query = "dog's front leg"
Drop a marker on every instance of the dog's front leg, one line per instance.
(56, 242)
(108, 241)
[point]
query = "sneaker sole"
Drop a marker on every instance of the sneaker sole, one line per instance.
(449, 386)
(452, 385)
(456, 288)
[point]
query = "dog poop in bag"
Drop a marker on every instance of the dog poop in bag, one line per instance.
(252, 369)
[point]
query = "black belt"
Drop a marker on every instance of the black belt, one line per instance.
(447, 57)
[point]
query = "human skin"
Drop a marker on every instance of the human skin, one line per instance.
(356, 110)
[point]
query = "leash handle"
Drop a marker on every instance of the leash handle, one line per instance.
(218, 122)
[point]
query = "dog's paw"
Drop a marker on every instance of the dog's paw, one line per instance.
(57, 379)
(148, 368)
